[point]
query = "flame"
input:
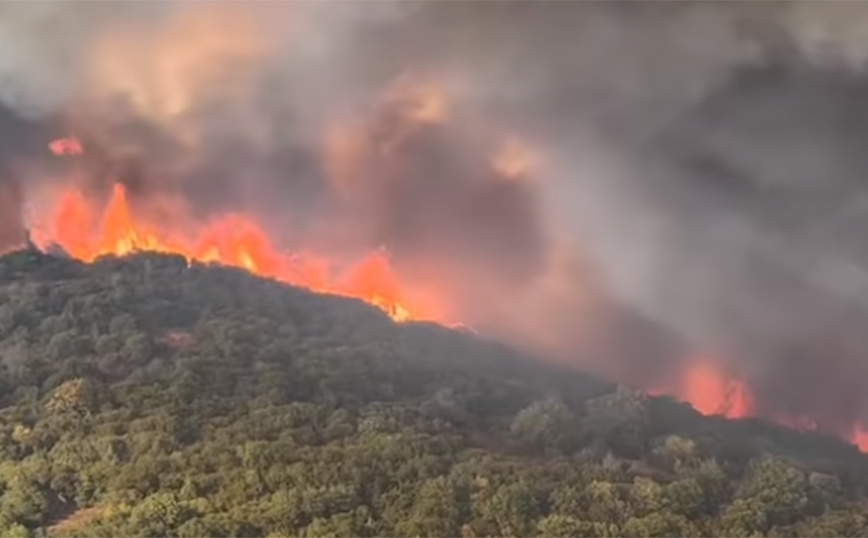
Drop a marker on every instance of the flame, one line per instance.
(713, 393)
(709, 390)
(208, 54)
(66, 146)
(87, 232)
(859, 437)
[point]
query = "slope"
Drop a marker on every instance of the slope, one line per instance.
(140, 396)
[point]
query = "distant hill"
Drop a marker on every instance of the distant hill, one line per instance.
(140, 396)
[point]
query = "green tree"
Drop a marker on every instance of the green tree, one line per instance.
(833, 524)
(75, 395)
(647, 496)
(686, 497)
(743, 518)
(436, 511)
(605, 504)
(658, 525)
(23, 502)
(16, 530)
(159, 514)
(355, 523)
(619, 421)
(512, 509)
(561, 526)
(778, 489)
(547, 425)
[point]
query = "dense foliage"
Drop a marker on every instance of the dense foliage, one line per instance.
(143, 397)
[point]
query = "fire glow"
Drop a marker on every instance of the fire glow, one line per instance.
(711, 391)
(86, 232)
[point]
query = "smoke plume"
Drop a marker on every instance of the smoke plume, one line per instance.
(617, 184)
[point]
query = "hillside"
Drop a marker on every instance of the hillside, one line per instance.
(143, 397)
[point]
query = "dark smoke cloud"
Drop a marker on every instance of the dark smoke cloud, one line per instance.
(709, 159)
(760, 193)
(704, 166)
(718, 181)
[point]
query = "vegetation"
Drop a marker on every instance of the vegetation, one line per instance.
(143, 397)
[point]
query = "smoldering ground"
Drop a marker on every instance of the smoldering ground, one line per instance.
(702, 179)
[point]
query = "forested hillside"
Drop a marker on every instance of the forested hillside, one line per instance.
(143, 397)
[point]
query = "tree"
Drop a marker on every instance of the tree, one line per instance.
(833, 524)
(658, 525)
(75, 395)
(743, 518)
(561, 526)
(677, 452)
(436, 511)
(292, 414)
(619, 421)
(513, 510)
(23, 502)
(547, 425)
(159, 514)
(16, 530)
(605, 504)
(686, 497)
(647, 496)
(776, 488)
(715, 485)
(353, 524)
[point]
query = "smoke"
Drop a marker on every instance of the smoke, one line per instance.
(697, 180)
(706, 158)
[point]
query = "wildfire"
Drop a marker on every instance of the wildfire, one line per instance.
(87, 232)
(859, 437)
(711, 391)
(66, 146)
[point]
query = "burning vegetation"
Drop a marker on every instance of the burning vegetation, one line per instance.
(204, 132)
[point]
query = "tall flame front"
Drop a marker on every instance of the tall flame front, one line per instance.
(87, 232)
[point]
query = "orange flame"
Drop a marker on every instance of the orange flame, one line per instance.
(859, 437)
(709, 390)
(66, 146)
(713, 393)
(87, 233)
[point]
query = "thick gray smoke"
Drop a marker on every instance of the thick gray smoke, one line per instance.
(707, 156)
(702, 160)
